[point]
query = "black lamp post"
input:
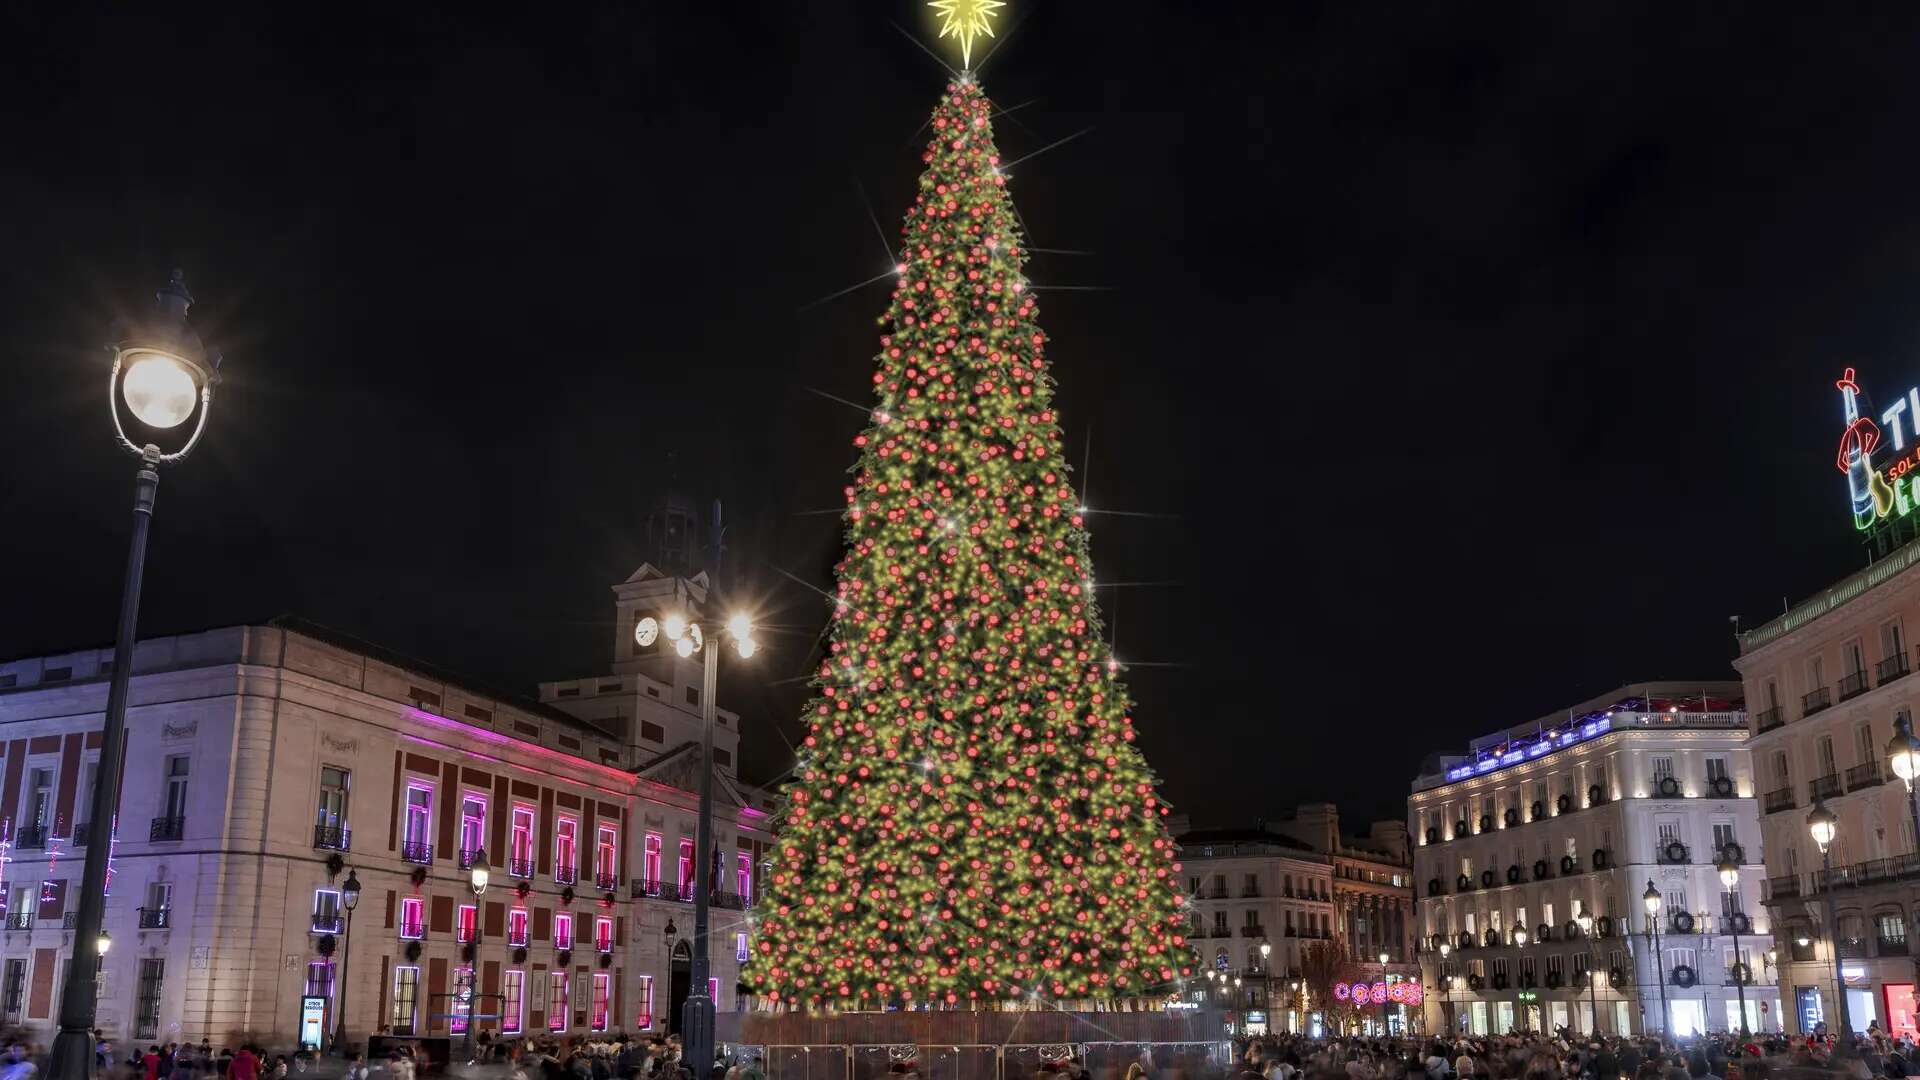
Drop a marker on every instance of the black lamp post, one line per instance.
(350, 899)
(1651, 899)
(477, 874)
(1730, 877)
(1824, 826)
(163, 375)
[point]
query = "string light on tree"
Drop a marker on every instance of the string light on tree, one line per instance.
(970, 822)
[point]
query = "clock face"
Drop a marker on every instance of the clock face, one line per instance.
(646, 632)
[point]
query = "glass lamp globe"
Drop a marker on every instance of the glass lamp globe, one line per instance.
(746, 647)
(1651, 898)
(1519, 937)
(1822, 823)
(1903, 754)
(1729, 874)
(159, 389)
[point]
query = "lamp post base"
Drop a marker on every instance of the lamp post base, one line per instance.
(696, 1034)
(72, 1055)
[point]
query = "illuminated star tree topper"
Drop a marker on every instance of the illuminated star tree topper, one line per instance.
(967, 20)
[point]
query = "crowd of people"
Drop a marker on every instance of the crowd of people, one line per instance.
(1564, 1055)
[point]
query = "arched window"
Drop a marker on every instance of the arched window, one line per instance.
(1220, 960)
(1852, 936)
(1890, 932)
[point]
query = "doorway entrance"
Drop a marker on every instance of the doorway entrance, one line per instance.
(682, 985)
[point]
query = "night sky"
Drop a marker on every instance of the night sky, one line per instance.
(1461, 361)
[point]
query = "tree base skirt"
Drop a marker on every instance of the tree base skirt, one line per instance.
(985, 1027)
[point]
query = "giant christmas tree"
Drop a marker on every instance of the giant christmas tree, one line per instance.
(970, 820)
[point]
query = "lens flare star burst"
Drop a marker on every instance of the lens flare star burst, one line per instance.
(967, 20)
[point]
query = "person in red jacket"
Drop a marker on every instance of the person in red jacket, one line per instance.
(245, 1065)
(151, 1062)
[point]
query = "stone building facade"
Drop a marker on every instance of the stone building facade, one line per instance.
(1828, 682)
(1573, 816)
(267, 763)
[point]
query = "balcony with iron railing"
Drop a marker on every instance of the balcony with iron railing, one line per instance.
(324, 923)
(520, 868)
(1783, 887)
(1777, 800)
(731, 901)
(1767, 719)
(1890, 946)
(1893, 667)
(416, 851)
(1823, 787)
(606, 882)
(29, 837)
(69, 920)
(1853, 684)
(1218, 892)
(1253, 931)
(1865, 774)
(332, 838)
(468, 856)
(19, 920)
(1871, 872)
(566, 875)
(167, 828)
(155, 918)
(81, 834)
(1815, 700)
(1223, 931)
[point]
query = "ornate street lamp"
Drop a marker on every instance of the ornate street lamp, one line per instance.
(1903, 756)
(1651, 900)
(350, 899)
(477, 874)
(687, 638)
(1445, 948)
(1823, 825)
(162, 375)
(1266, 983)
(1730, 877)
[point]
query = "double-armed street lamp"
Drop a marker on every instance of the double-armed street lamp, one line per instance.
(163, 376)
(686, 637)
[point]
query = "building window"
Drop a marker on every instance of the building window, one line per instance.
(146, 999)
(326, 911)
(413, 919)
(602, 934)
(39, 812)
(1825, 750)
(644, 1018)
(565, 868)
(743, 876)
(713, 991)
(14, 988)
(557, 1013)
(686, 867)
(406, 995)
(457, 1018)
(419, 822)
(693, 695)
(563, 930)
(606, 863)
(468, 922)
(473, 827)
(1722, 836)
(602, 996)
(331, 817)
(740, 946)
(517, 928)
(513, 992)
(1717, 770)
(650, 861)
(1662, 768)
(320, 979)
(520, 862)
(177, 767)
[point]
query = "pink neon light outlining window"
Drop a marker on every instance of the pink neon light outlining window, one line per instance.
(517, 927)
(644, 1019)
(650, 861)
(457, 1023)
(686, 867)
(466, 924)
(603, 934)
(743, 876)
(513, 1001)
(558, 1015)
(564, 864)
(606, 860)
(473, 823)
(563, 930)
(602, 994)
(522, 853)
(413, 917)
(419, 813)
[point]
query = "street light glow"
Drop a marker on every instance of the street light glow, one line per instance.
(740, 626)
(674, 625)
(159, 389)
